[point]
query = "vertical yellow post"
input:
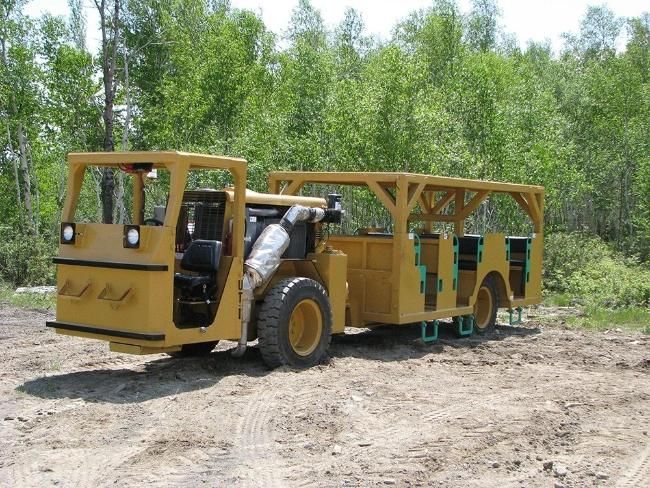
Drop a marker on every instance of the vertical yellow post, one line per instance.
(239, 175)
(274, 185)
(178, 179)
(138, 198)
(75, 180)
(459, 225)
(400, 239)
(539, 225)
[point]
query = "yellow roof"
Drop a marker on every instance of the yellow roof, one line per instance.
(158, 158)
(437, 183)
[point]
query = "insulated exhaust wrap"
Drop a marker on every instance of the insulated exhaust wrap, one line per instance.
(264, 258)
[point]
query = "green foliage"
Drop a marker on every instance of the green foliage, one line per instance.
(448, 94)
(565, 254)
(589, 271)
(612, 282)
(26, 259)
(558, 299)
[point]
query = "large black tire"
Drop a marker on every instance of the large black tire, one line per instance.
(294, 324)
(486, 306)
(196, 349)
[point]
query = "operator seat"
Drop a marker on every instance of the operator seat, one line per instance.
(200, 257)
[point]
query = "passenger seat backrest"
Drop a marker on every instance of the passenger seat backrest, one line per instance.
(518, 244)
(202, 256)
(468, 244)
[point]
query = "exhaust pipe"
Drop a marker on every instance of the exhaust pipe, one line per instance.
(246, 306)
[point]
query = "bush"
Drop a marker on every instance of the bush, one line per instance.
(612, 283)
(566, 254)
(585, 268)
(26, 259)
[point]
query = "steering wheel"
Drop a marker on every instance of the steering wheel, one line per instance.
(153, 221)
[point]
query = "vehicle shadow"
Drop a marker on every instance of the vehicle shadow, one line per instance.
(167, 376)
(161, 377)
(405, 342)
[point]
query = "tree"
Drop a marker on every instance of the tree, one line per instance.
(109, 18)
(482, 26)
(77, 24)
(19, 79)
(70, 108)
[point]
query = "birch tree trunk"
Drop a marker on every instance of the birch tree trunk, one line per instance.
(26, 179)
(121, 209)
(14, 163)
(110, 29)
(22, 151)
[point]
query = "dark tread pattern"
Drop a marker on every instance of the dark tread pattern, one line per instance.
(269, 322)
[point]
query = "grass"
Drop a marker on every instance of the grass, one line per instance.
(602, 318)
(635, 318)
(27, 300)
(558, 300)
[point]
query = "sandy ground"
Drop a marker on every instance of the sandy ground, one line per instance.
(533, 405)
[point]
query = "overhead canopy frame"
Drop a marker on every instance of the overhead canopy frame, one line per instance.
(401, 192)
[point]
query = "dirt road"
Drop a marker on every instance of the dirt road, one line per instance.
(533, 405)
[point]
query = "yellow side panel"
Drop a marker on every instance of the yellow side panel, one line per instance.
(447, 297)
(377, 292)
(333, 270)
(369, 276)
(356, 298)
(410, 299)
(119, 299)
(227, 322)
(353, 249)
(378, 255)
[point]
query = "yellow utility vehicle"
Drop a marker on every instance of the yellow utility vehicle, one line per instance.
(233, 264)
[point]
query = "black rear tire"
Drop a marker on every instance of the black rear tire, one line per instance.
(194, 350)
(294, 324)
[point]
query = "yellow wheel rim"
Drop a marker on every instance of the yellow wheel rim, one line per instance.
(305, 327)
(483, 308)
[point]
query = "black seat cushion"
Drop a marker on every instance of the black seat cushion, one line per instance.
(191, 282)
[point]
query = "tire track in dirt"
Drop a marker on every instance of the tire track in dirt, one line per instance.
(88, 468)
(638, 475)
(397, 442)
(38, 466)
(256, 443)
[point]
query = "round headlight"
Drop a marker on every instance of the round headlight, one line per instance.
(68, 233)
(133, 236)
